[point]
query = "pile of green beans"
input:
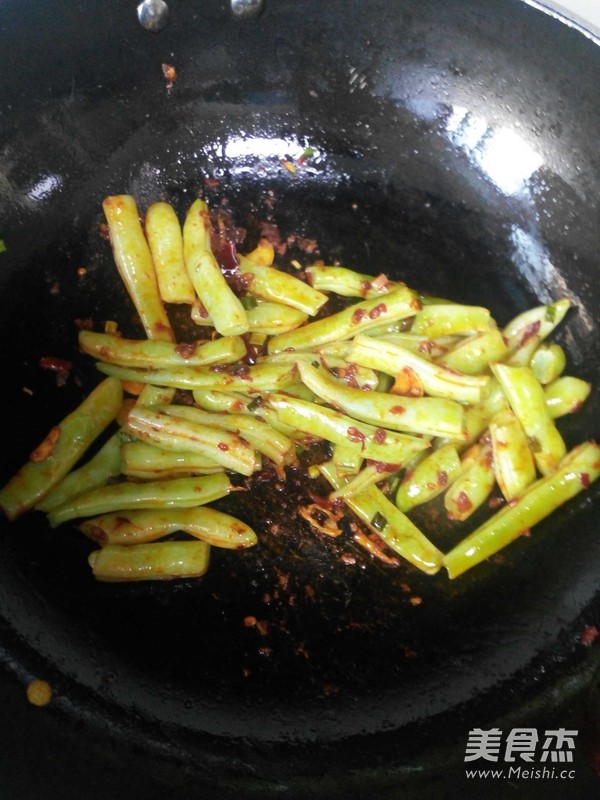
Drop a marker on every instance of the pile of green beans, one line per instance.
(418, 398)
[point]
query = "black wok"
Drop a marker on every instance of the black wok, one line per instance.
(457, 149)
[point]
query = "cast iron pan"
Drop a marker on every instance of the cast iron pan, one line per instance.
(456, 149)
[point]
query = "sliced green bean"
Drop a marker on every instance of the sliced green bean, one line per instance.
(150, 562)
(473, 356)
(348, 283)
(142, 460)
(427, 415)
(368, 476)
(514, 466)
(61, 449)
(269, 283)
(175, 433)
(260, 377)
(548, 363)
(225, 309)
(340, 369)
(474, 483)
(375, 443)
(165, 240)
(274, 318)
(393, 527)
(566, 395)
(430, 477)
(271, 443)
(148, 525)
(176, 493)
(347, 458)
(430, 349)
(574, 474)
(155, 396)
(536, 322)
(526, 397)
(103, 466)
(434, 379)
(155, 354)
(134, 262)
(444, 319)
(358, 318)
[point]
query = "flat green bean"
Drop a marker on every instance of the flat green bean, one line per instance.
(573, 475)
(156, 354)
(176, 493)
(61, 449)
(358, 318)
(148, 525)
(150, 562)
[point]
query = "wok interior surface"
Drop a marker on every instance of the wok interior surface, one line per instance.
(448, 154)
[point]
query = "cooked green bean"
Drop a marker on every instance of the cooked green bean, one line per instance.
(375, 443)
(526, 397)
(174, 433)
(61, 449)
(430, 349)
(225, 309)
(343, 371)
(397, 531)
(155, 354)
(103, 466)
(134, 262)
(142, 460)
(150, 562)
(548, 362)
(154, 396)
(274, 318)
(348, 283)
(473, 484)
(566, 395)
(147, 525)
(369, 475)
(573, 475)
(260, 377)
(432, 416)
(176, 493)
(272, 284)
(536, 323)
(399, 304)
(443, 319)
(165, 240)
(514, 466)
(432, 476)
(263, 438)
(472, 356)
(347, 459)
(432, 379)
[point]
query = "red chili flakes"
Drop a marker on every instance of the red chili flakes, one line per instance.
(531, 330)
(589, 635)
(45, 449)
(377, 311)
(250, 622)
(397, 410)
(380, 435)
(170, 74)
(185, 350)
(495, 502)
(262, 626)
(55, 364)
(463, 503)
(358, 316)
(223, 446)
(526, 532)
(212, 183)
(584, 479)
(442, 477)
(415, 600)
(356, 436)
